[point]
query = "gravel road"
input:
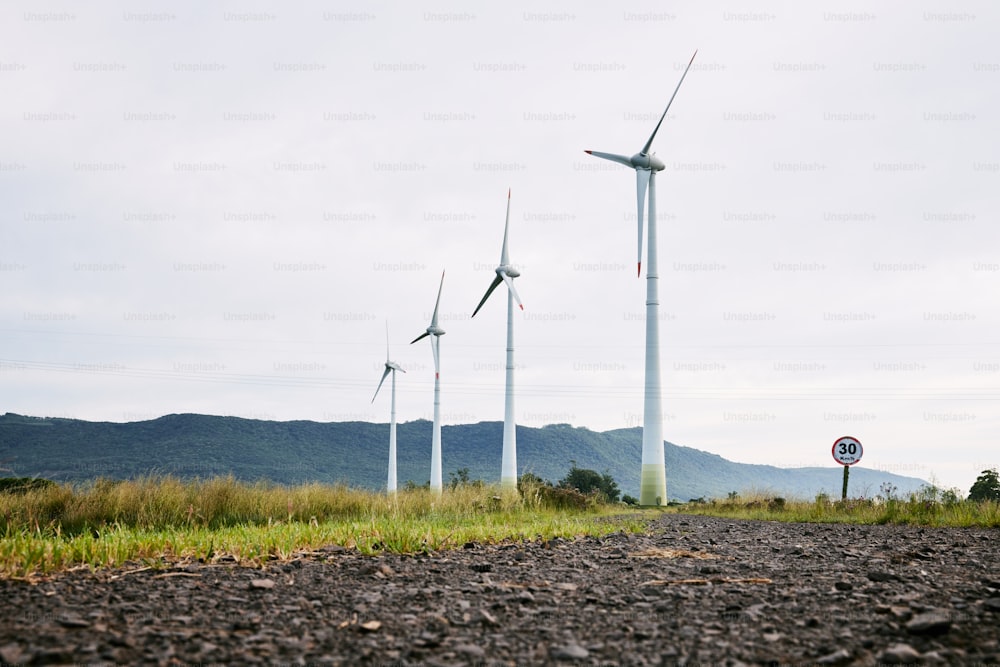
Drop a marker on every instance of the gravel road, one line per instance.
(692, 591)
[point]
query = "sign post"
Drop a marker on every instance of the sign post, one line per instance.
(847, 451)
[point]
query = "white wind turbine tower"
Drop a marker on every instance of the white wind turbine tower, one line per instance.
(506, 274)
(435, 332)
(653, 481)
(390, 367)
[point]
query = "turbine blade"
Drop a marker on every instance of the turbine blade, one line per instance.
(436, 348)
(423, 335)
(504, 256)
(434, 318)
(645, 149)
(641, 182)
(620, 159)
(496, 282)
(510, 285)
(384, 375)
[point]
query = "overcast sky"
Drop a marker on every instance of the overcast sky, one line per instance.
(216, 207)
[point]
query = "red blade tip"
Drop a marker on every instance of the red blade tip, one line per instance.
(638, 271)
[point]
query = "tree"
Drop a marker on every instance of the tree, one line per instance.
(951, 496)
(590, 481)
(609, 487)
(986, 486)
(461, 478)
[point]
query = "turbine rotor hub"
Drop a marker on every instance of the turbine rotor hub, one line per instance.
(509, 270)
(651, 162)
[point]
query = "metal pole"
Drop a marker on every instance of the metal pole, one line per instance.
(843, 493)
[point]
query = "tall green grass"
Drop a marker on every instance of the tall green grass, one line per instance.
(924, 508)
(154, 502)
(156, 520)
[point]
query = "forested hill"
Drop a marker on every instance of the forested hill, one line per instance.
(356, 453)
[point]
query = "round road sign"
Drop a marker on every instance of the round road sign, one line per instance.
(847, 451)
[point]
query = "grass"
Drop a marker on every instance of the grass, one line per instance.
(152, 521)
(926, 508)
(158, 520)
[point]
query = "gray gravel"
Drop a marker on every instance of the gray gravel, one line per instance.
(693, 591)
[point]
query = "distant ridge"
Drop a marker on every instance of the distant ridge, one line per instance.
(356, 454)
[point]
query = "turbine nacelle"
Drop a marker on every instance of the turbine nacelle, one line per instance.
(508, 270)
(435, 330)
(650, 162)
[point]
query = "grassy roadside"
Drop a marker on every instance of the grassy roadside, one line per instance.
(157, 520)
(920, 509)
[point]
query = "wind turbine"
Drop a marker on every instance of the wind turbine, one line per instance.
(435, 332)
(390, 367)
(653, 481)
(506, 274)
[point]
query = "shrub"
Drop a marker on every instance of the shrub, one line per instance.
(20, 485)
(563, 498)
(590, 481)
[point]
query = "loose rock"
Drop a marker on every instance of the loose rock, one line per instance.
(370, 626)
(72, 621)
(569, 652)
(899, 654)
(930, 623)
(841, 657)
(10, 654)
(470, 650)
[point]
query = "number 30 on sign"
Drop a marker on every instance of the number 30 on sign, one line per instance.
(847, 451)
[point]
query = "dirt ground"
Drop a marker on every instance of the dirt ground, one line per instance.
(692, 591)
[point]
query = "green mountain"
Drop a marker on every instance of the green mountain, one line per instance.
(355, 453)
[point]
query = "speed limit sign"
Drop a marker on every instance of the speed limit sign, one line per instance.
(847, 451)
